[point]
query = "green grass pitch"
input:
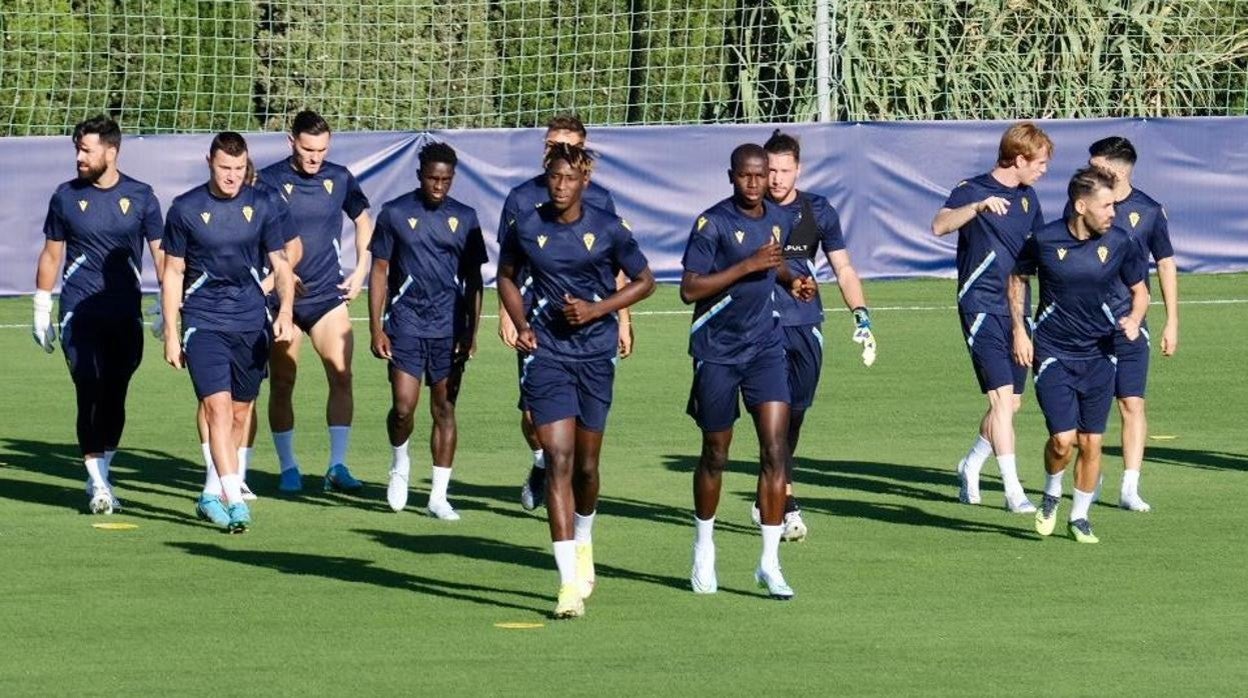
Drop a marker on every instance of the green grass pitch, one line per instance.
(900, 589)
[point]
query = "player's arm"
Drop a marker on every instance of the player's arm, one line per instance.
(948, 220)
(695, 287)
(1017, 294)
(283, 324)
(49, 264)
(156, 310)
(1130, 324)
(625, 319)
(506, 328)
(1168, 279)
(378, 287)
(363, 238)
(855, 300)
(513, 306)
(171, 281)
(474, 290)
(579, 311)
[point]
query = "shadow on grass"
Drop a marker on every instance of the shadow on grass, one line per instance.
(360, 571)
(906, 515)
(1204, 460)
(493, 551)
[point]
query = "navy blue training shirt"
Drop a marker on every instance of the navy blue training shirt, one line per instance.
(989, 243)
(103, 231)
(225, 243)
(1079, 305)
(794, 312)
(578, 259)
(429, 250)
(734, 325)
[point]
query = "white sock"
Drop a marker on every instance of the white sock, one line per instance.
(539, 459)
(244, 460)
(771, 547)
(339, 437)
(441, 480)
(284, 442)
(583, 528)
(565, 560)
(704, 532)
(1053, 483)
(212, 484)
(106, 465)
(978, 454)
(232, 485)
(1009, 476)
(400, 462)
(1130, 483)
(93, 472)
(1083, 500)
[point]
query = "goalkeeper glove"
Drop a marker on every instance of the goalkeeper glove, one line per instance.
(158, 317)
(44, 331)
(863, 335)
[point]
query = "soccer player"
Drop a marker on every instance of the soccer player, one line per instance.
(96, 226)
(525, 197)
(573, 252)
(815, 226)
(424, 302)
(1145, 220)
(318, 192)
(993, 214)
(731, 265)
(216, 237)
(1082, 262)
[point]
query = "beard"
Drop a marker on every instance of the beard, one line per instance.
(92, 173)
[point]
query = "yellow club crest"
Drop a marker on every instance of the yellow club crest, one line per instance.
(701, 222)
(205, 216)
(82, 204)
(1061, 253)
(1134, 217)
(288, 187)
(1103, 253)
(453, 222)
(124, 204)
(247, 212)
(541, 241)
(775, 233)
(411, 223)
(740, 236)
(588, 238)
(1026, 204)
(627, 227)
(329, 186)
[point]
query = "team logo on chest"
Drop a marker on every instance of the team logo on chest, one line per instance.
(627, 227)
(205, 216)
(701, 222)
(588, 239)
(740, 236)
(82, 205)
(1134, 217)
(289, 187)
(247, 212)
(411, 223)
(1103, 253)
(1026, 204)
(124, 204)
(1061, 253)
(775, 233)
(329, 186)
(541, 241)
(453, 222)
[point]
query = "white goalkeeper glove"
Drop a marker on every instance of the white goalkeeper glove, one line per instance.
(157, 317)
(863, 335)
(43, 330)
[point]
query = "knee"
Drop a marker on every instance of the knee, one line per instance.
(775, 455)
(1132, 408)
(1062, 444)
(402, 411)
(283, 380)
(443, 412)
(714, 458)
(1090, 443)
(339, 379)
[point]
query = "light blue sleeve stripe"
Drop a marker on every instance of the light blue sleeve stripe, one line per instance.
(203, 278)
(979, 271)
(1043, 365)
(979, 320)
(1109, 314)
(1044, 315)
(407, 283)
(706, 317)
(82, 259)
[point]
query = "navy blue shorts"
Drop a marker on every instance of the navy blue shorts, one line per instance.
(425, 359)
(308, 312)
(556, 390)
(1132, 375)
(803, 348)
(236, 362)
(713, 398)
(1075, 394)
(990, 339)
(101, 346)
